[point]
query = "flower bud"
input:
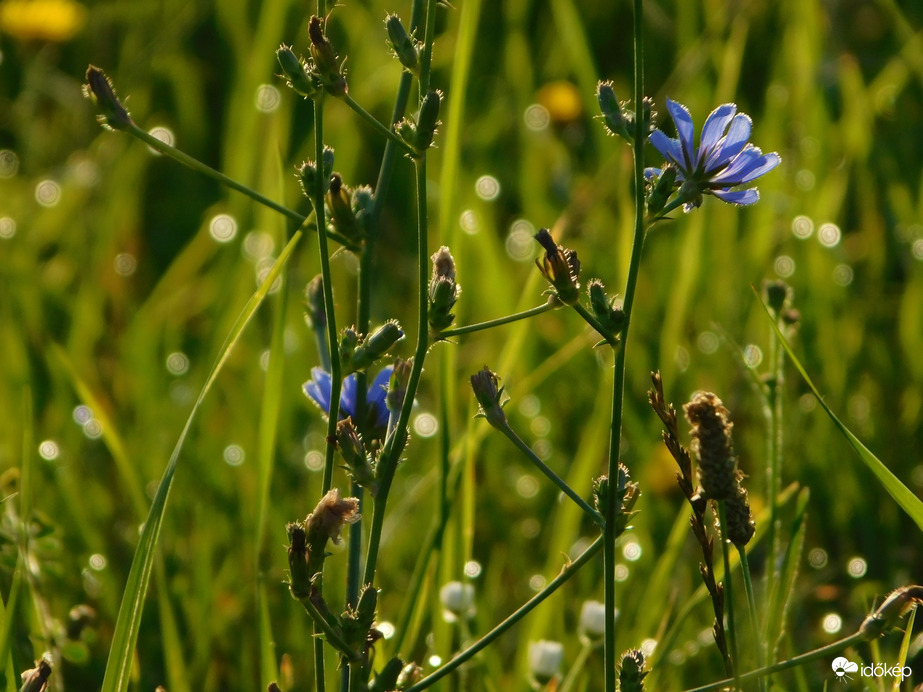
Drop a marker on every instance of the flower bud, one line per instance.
(342, 215)
(428, 120)
(458, 600)
(112, 114)
(315, 312)
(405, 48)
(631, 671)
(352, 448)
(593, 620)
(778, 295)
(307, 174)
(610, 317)
(614, 120)
(411, 674)
(891, 610)
(443, 291)
(486, 391)
(325, 60)
(296, 73)
(661, 189)
(299, 576)
(545, 659)
(560, 267)
(36, 679)
(386, 680)
(712, 443)
(349, 342)
(377, 344)
(397, 386)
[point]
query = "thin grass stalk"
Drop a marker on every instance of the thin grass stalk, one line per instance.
(774, 424)
(462, 657)
(751, 607)
(618, 388)
(335, 369)
(728, 593)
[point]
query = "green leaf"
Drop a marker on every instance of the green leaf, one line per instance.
(907, 501)
(125, 637)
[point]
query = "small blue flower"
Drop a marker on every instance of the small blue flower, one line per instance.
(319, 386)
(724, 159)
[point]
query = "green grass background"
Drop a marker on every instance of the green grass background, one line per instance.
(835, 88)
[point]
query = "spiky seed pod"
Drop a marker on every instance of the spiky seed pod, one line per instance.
(712, 443)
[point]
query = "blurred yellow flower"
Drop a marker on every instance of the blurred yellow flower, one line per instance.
(45, 20)
(562, 99)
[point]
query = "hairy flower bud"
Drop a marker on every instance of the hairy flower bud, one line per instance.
(296, 73)
(326, 62)
(405, 48)
(631, 671)
(560, 267)
(443, 291)
(376, 345)
(308, 173)
(487, 391)
(99, 89)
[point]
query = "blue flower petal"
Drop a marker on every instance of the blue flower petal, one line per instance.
(318, 388)
(685, 130)
(749, 165)
(348, 397)
(378, 390)
(715, 125)
(730, 145)
(741, 197)
(669, 148)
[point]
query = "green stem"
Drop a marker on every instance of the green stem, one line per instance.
(199, 167)
(555, 478)
(751, 605)
(566, 573)
(618, 387)
(426, 59)
(823, 652)
(728, 592)
(552, 304)
(394, 444)
(593, 322)
(377, 124)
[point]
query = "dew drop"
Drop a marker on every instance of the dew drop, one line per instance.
(223, 228)
(234, 455)
(425, 425)
(829, 234)
(802, 227)
(536, 117)
(125, 264)
(48, 193)
(49, 450)
(267, 98)
(7, 227)
(165, 135)
(857, 567)
(9, 163)
(784, 266)
(487, 188)
(832, 623)
(177, 363)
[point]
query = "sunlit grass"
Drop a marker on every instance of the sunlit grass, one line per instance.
(109, 269)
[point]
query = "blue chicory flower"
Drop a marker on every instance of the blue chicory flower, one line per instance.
(319, 386)
(724, 159)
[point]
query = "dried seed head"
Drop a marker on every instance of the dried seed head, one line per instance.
(328, 518)
(712, 443)
(740, 524)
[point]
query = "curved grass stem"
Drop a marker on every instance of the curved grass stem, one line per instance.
(552, 304)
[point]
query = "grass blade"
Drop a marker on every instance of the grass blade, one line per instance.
(125, 637)
(907, 501)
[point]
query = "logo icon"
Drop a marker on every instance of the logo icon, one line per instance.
(841, 666)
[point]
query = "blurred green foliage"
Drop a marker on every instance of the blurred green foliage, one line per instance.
(107, 267)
